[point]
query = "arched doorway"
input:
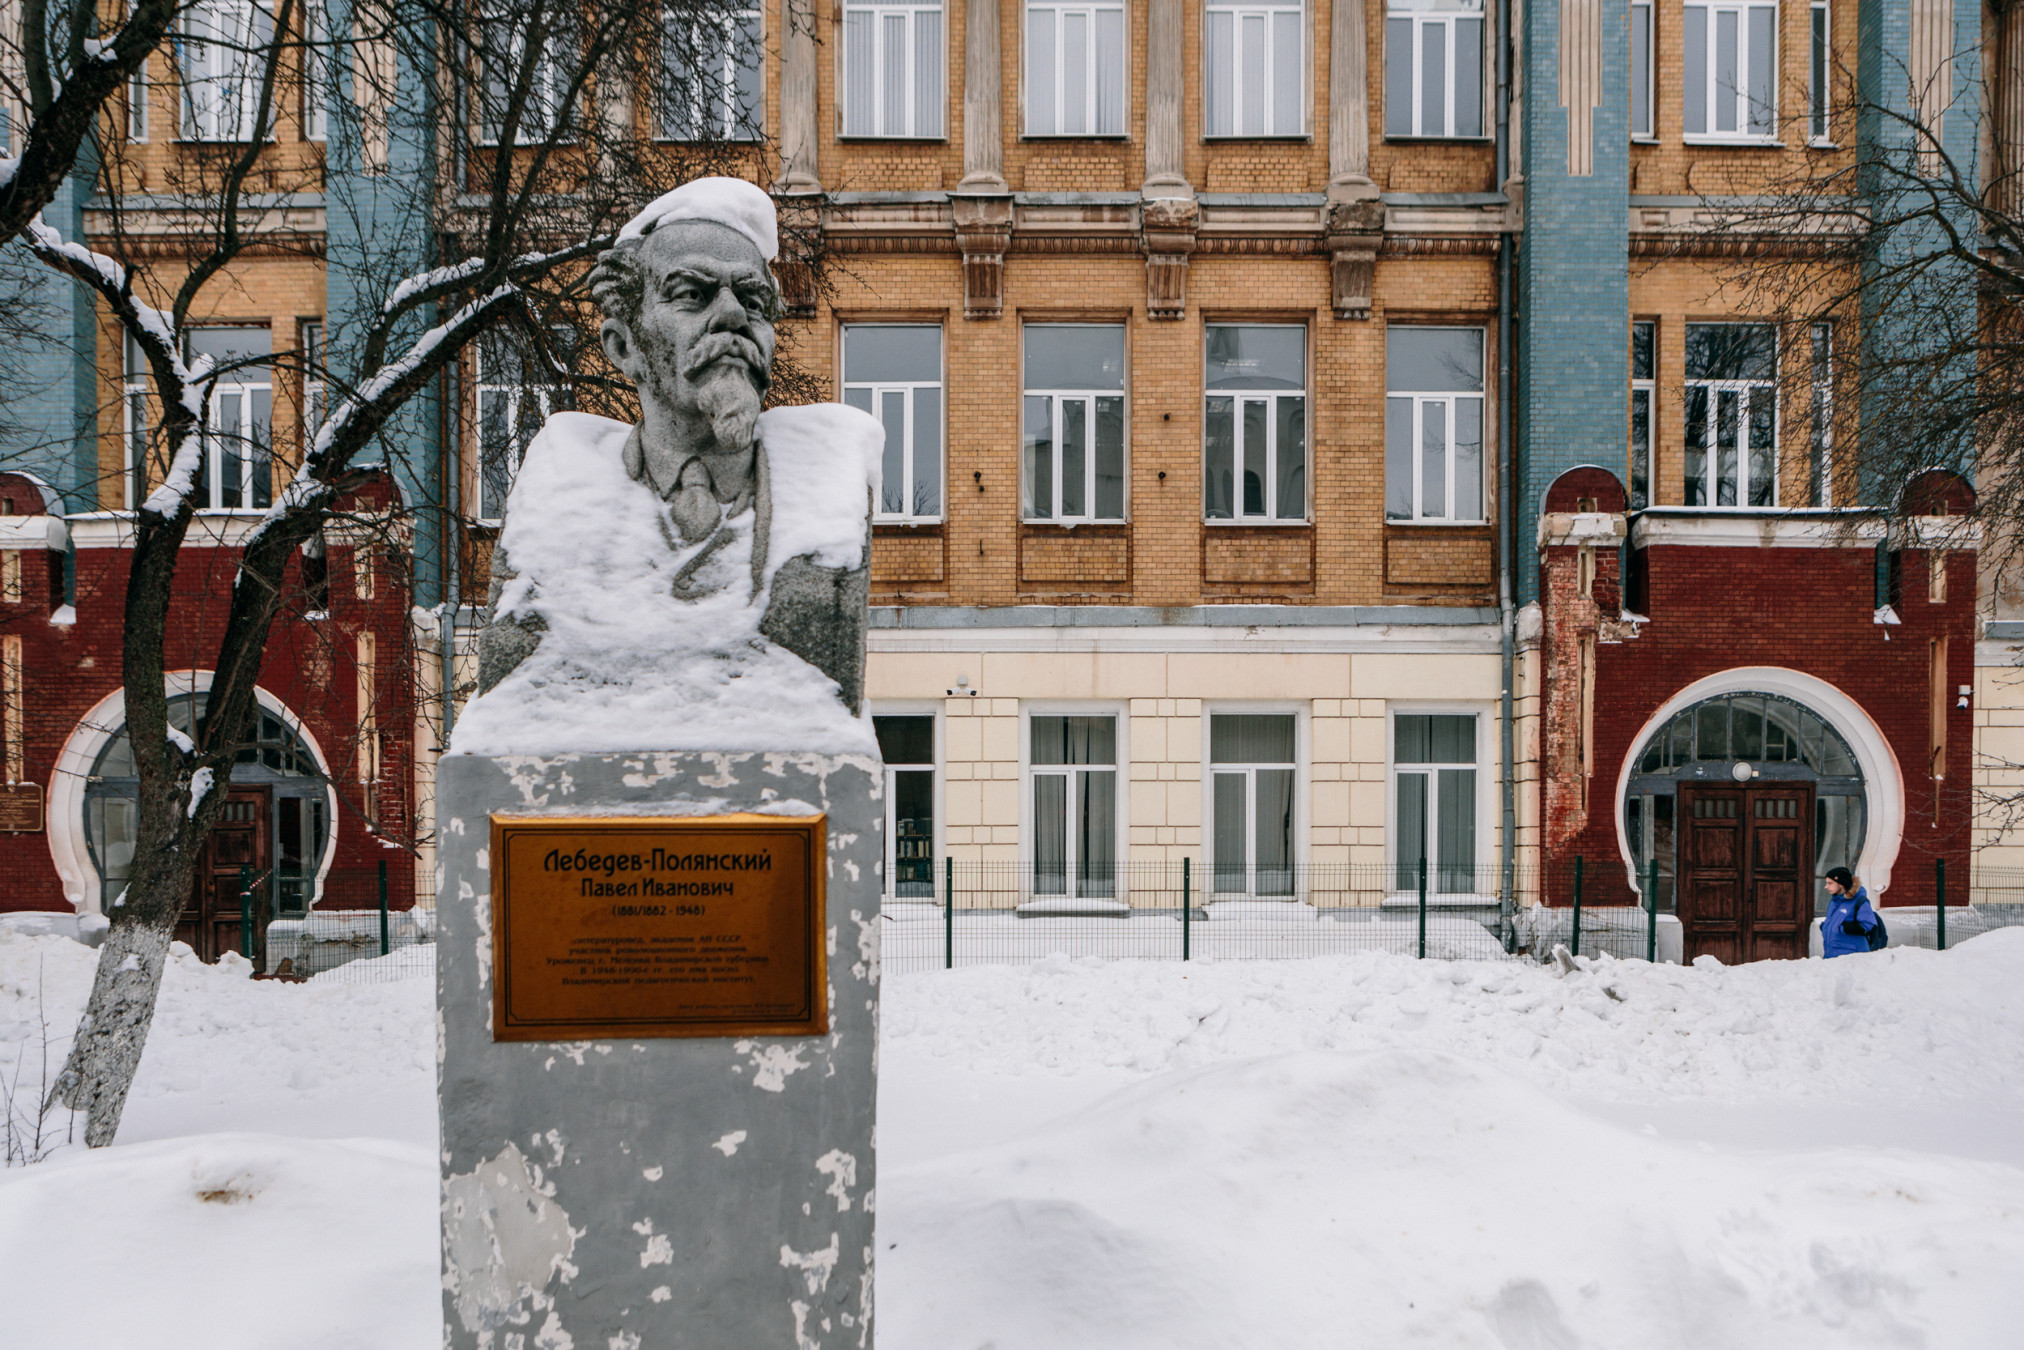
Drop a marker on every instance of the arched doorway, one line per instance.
(276, 828)
(1744, 799)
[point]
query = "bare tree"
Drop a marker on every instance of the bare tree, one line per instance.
(490, 152)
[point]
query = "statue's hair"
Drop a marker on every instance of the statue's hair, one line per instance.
(618, 282)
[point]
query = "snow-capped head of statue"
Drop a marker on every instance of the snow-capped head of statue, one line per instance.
(700, 578)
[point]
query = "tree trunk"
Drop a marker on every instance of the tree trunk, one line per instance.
(114, 1029)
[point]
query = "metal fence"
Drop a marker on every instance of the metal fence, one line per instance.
(368, 925)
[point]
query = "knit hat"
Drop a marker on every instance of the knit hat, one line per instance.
(1841, 877)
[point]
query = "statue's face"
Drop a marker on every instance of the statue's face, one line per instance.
(703, 343)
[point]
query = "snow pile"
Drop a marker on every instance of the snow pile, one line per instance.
(624, 664)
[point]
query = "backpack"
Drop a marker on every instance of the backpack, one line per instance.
(1877, 936)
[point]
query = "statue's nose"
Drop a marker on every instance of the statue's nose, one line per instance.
(726, 313)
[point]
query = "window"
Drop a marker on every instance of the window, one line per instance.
(892, 69)
(316, 55)
(1819, 460)
(1255, 423)
(1641, 49)
(1251, 758)
(1818, 89)
(137, 108)
(504, 55)
(221, 57)
(1433, 68)
(1729, 83)
(907, 744)
(894, 372)
(1732, 415)
(237, 434)
(315, 386)
(1074, 432)
(1257, 64)
(134, 416)
(711, 67)
(1434, 796)
(1073, 772)
(1075, 61)
(1433, 439)
(516, 394)
(1644, 339)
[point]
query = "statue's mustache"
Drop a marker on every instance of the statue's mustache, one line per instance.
(714, 347)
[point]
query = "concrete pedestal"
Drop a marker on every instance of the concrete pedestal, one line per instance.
(671, 1194)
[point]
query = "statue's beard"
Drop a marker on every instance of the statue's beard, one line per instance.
(727, 374)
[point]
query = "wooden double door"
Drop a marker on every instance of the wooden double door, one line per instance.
(1746, 871)
(240, 840)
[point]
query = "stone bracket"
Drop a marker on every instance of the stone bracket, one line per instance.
(1167, 228)
(1354, 230)
(983, 233)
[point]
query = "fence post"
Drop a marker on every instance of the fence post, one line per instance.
(1940, 897)
(246, 912)
(1652, 911)
(1423, 906)
(1577, 904)
(948, 914)
(385, 946)
(1186, 905)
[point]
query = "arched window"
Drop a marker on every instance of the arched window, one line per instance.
(1780, 739)
(298, 827)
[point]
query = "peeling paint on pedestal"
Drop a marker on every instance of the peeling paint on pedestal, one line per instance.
(715, 1194)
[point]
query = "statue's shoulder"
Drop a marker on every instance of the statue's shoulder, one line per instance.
(573, 472)
(571, 444)
(839, 445)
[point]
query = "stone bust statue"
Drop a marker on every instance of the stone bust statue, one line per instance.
(689, 552)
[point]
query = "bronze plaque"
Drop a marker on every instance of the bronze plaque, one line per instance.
(20, 808)
(641, 926)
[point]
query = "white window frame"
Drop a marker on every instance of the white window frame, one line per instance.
(316, 56)
(1745, 390)
(1238, 11)
(906, 389)
(1820, 387)
(1271, 398)
(1486, 771)
(239, 386)
(1707, 16)
(729, 118)
(137, 106)
(547, 105)
(1819, 74)
(1121, 807)
(865, 124)
(1648, 387)
(226, 73)
(313, 337)
(134, 425)
(515, 396)
(1447, 18)
(939, 844)
(1088, 398)
(1301, 713)
(1089, 9)
(1449, 399)
(1649, 131)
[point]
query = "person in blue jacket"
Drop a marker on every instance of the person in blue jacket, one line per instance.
(1850, 920)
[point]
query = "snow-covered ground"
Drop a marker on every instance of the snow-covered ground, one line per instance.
(1353, 1150)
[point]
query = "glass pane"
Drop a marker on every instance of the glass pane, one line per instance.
(224, 345)
(927, 486)
(1468, 459)
(1434, 79)
(258, 471)
(1257, 356)
(1640, 448)
(1232, 852)
(1074, 356)
(1096, 832)
(1697, 451)
(1074, 457)
(1731, 351)
(1251, 78)
(1398, 459)
(1452, 738)
(859, 103)
(892, 411)
(1455, 849)
(1640, 70)
(1412, 738)
(1219, 458)
(1074, 740)
(893, 90)
(1746, 729)
(750, 56)
(905, 740)
(1257, 413)
(1433, 459)
(892, 353)
(1728, 78)
(1286, 82)
(1398, 77)
(1222, 70)
(1109, 459)
(231, 448)
(1727, 427)
(1040, 119)
(1643, 350)
(1711, 726)
(1050, 833)
(1694, 74)
(1292, 448)
(914, 832)
(1074, 73)
(1818, 101)
(1468, 77)
(1412, 830)
(1109, 73)
(1763, 448)
(1763, 46)
(1274, 831)
(927, 72)
(1434, 360)
(1039, 437)
(1251, 738)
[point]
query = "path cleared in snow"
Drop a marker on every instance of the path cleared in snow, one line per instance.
(1345, 1151)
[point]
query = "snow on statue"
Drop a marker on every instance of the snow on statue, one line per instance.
(698, 580)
